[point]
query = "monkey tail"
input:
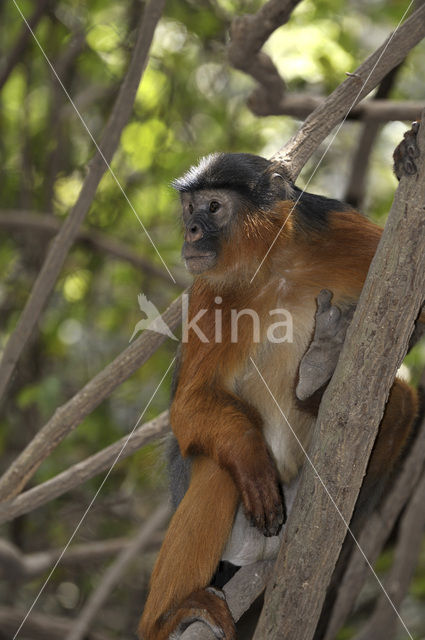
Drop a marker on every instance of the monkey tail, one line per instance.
(193, 545)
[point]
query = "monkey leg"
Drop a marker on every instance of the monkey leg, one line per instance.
(191, 551)
(394, 432)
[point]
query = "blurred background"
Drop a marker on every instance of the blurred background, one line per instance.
(190, 102)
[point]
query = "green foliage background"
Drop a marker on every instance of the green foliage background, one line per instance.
(190, 103)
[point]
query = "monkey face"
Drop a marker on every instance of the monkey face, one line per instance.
(228, 213)
(207, 218)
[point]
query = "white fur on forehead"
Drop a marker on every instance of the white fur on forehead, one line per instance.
(247, 174)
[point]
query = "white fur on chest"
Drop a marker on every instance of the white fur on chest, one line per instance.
(286, 429)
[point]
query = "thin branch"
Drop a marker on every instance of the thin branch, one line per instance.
(22, 42)
(60, 247)
(26, 190)
(68, 416)
(372, 111)
(375, 533)
(17, 219)
(356, 188)
(89, 95)
(297, 151)
(384, 621)
(248, 34)
(83, 471)
(39, 626)
(20, 567)
(360, 162)
(55, 159)
(114, 572)
(241, 591)
(349, 417)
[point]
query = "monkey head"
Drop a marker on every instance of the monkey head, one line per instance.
(222, 196)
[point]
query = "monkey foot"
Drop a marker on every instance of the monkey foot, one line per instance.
(406, 152)
(206, 605)
(320, 359)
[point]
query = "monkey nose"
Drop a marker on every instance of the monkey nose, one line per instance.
(193, 233)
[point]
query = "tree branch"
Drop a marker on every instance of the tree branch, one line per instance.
(360, 162)
(86, 97)
(64, 68)
(16, 219)
(241, 591)
(248, 34)
(39, 626)
(68, 416)
(22, 42)
(20, 567)
(114, 572)
(376, 111)
(58, 251)
(297, 151)
(385, 621)
(356, 188)
(349, 417)
(375, 533)
(83, 471)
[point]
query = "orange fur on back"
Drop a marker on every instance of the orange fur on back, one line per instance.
(399, 416)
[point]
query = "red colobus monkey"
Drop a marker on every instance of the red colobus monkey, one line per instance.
(239, 451)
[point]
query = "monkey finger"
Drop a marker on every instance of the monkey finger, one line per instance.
(275, 513)
(275, 522)
(405, 153)
(411, 144)
(409, 166)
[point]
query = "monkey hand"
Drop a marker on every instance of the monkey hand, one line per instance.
(320, 359)
(254, 472)
(205, 605)
(406, 152)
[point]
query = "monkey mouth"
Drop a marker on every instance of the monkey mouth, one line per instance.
(198, 262)
(195, 256)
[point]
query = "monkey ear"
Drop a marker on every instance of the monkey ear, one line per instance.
(279, 182)
(278, 170)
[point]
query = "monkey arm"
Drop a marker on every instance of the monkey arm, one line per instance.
(212, 422)
(201, 526)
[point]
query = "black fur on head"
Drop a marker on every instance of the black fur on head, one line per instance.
(253, 177)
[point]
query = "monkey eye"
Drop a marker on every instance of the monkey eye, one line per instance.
(190, 208)
(214, 206)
